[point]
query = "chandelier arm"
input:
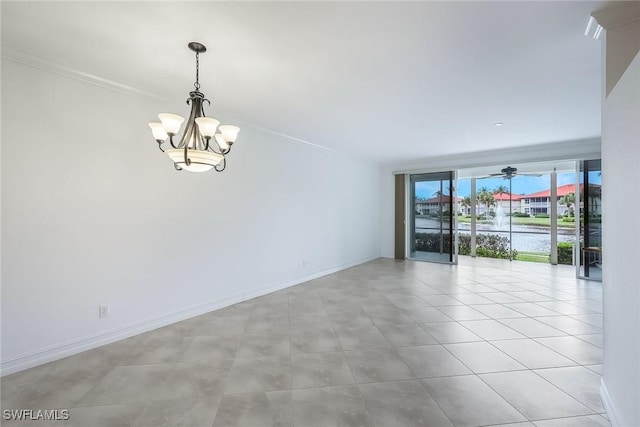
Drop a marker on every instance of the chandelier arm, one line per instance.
(178, 168)
(185, 140)
(187, 160)
(171, 141)
(160, 146)
(208, 145)
(195, 99)
(200, 113)
(201, 139)
(213, 150)
(224, 165)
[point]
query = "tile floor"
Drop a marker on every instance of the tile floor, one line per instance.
(384, 344)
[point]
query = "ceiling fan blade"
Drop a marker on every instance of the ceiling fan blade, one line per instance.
(508, 175)
(493, 175)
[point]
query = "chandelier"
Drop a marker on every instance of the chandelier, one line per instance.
(196, 152)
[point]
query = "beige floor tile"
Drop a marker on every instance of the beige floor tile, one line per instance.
(377, 365)
(320, 370)
(330, 406)
(401, 404)
(532, 354)
(533, 396)
(294, 357)
(432, 361)
(259, 374)
(482, 357)
(468, 401)
(580, 382)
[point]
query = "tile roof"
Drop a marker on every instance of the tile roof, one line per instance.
(563, 190)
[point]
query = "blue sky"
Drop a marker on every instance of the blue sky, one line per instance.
(521, 184)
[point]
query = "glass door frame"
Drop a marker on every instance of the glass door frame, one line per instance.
(453, 211)
(583, 167)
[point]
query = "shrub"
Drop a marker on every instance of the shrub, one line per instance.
(568, 219)
(542, 216)
(430, 242)
(464, 244)
(487, 245)
(493, 246)
(565, 253)
(521, 215)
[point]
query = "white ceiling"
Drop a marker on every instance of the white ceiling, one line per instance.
(386, 81)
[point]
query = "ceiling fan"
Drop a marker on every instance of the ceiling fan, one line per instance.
(508, 173)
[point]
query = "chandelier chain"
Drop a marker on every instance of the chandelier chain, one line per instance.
(197, 83)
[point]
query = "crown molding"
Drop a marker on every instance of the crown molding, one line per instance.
(75, 74)
(620, 13)
(623, 42)
(95, 80)
(288, 137)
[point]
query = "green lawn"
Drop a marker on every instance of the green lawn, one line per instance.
(533, 257)
(540, 222)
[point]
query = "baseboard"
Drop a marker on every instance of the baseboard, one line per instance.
(69, 348)
(614, 417)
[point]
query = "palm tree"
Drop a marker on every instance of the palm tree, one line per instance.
(595, 193)
(489, 200)
(480, 197)
(500, 189)
(485, 197)
(568, 200)
(466, 202)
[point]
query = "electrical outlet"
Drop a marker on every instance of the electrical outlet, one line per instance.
(103, 311)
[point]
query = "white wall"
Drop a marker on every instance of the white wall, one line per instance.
(621, 242)
(387, 212)
(93, 213)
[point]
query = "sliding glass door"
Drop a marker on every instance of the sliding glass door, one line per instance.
(432, 206)
(590, 228)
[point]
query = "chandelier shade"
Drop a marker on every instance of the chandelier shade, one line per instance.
(171, 122)
(200, 148)
(159, 133)
(221, 142)
(229, 133)
(207, 126)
